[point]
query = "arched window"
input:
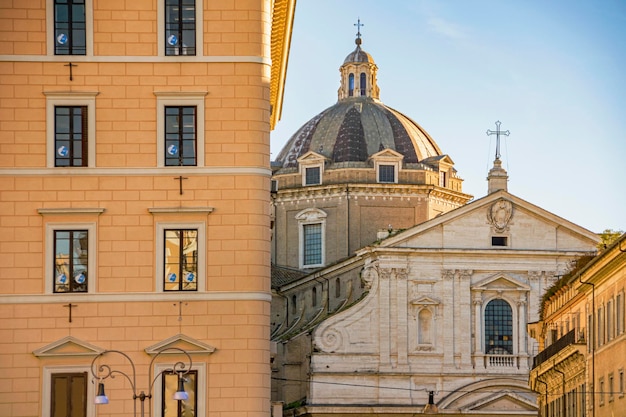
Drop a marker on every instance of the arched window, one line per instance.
(498, 328)
(351, 85)
(425, 331)
(294, 307)
(337, 288)
(363, 84)
(314, 296)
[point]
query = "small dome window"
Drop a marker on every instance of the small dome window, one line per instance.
(363, 84)
(351, 85)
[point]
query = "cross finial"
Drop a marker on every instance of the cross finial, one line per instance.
(358, 25)
(498, 132)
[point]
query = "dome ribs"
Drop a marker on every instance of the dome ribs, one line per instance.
(401, 138)
(350, 145)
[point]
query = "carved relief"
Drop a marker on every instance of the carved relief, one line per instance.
(499, 215)
(331, 340)
(368, 276)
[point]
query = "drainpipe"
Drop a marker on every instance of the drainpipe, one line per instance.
(563, 389)
(592, 342)
(546, 400)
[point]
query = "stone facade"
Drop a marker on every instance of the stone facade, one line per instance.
(120, 200)
(421, 324)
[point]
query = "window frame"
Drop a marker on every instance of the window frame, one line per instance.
(46, 388)
(379, 173)
(307, 217)
(201, 383)
(180, 99)
(71, 267)
(180, 140)
(180, 257)
(84, 136)
(51, 35)
(513, 327)
(305, 175)
(51, 228)
(160, 228)
(70, 99)
(199, 32)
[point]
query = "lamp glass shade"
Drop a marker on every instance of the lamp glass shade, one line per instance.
(101, 397)
(181, 394)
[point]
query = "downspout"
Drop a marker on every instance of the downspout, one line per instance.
(593, 344)
(546, 400)
(563, 389)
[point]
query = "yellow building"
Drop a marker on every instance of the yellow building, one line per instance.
(134, 203)
(582, 336)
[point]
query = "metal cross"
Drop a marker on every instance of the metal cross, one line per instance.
(358, 25)
(498, 132)
(70, 65)
(180, 310)
(181, 178)
(70, 305)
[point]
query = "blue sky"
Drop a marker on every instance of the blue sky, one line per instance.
(552, 71)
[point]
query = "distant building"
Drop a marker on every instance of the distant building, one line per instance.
(391, 290)
(134, 195)
(580, 369)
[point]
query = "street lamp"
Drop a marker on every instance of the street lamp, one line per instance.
(103, 371)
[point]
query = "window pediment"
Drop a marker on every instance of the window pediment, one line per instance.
(311, 215)
(68, 346)
(181, 341)
(500, 282)
(425, 301)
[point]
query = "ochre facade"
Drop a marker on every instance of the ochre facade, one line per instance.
(125, 196)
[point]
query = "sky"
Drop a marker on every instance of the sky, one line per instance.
(553, 72)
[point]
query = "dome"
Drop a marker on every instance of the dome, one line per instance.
(356, 128)
(359, 125)
(359, 55)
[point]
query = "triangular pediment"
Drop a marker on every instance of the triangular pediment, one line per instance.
(68, 346)
(500, 282)
(528, 228)
(180, 341)
(425, 300)
(503, 401)
(387, 154)
(311, 157)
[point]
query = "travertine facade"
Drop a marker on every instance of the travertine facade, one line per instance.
(580, 369)
(130, 130)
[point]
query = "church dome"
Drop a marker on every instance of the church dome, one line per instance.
(356, 128)
(359, 124)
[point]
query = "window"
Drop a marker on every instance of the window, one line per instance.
(609, 321)
(498, 328)
(337, 287)
(312, 244)
(176, 408)
(70, 24)
(180, 27)
(590, 334)
(312, 176)
(314, 296)
(294, 304)
(442, 179)
(70, 136)
(611, 387)
(619, 313)
(181, 260)
(68, 395)
(621, 383)
(351, 85)
(70, 129)
(180, 136)
(601, 393)
(601, 331)
(499, 241)
(180, 128)
(363, 84)
(386, 173)
(181, 256)
(312, 225)
(71, 260)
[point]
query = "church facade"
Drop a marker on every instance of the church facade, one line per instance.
(428, 316)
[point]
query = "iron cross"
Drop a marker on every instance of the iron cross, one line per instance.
(70, 305)
(498, 132)
(70, 65)
(181, 178)
(358, 25)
